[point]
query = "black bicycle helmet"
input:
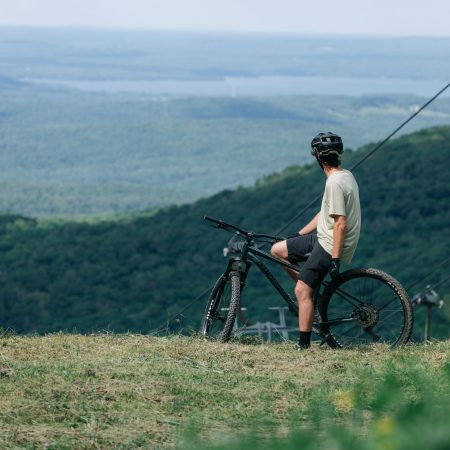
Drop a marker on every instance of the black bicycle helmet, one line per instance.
(327, 144)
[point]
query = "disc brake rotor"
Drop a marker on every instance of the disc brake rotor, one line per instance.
(367, 315)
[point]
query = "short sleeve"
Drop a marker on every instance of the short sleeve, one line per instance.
(336, 200)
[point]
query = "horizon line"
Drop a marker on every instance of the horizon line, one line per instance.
(107, 28)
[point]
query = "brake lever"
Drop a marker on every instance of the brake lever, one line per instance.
(220, 226)
(213, 225)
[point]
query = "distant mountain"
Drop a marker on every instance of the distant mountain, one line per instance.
(89, 54)
(135, 273)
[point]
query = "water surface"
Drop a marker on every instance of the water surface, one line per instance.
(261, 86)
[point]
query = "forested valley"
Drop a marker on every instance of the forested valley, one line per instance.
(70, 154)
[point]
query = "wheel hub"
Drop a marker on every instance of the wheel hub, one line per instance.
(367, 315)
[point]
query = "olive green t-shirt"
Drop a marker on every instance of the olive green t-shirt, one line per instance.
(341, 198)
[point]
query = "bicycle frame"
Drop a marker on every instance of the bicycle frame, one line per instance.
(250, 254)
(357, 305)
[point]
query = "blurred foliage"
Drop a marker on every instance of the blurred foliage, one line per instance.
(134, 273)
(400, 410)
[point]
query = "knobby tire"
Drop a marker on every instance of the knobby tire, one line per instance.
(385, 303)
(216, 323)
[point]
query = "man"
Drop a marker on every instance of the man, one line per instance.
(331, 236)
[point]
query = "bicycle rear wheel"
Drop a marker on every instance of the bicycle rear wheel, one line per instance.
(222, 307)
(365, 306)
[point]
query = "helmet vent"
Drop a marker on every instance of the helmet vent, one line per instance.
(327, 144)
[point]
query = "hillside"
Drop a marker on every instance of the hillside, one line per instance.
(135, 273)
(133, 391)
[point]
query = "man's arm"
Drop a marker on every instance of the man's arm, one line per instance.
(339, 229)
(311, 226)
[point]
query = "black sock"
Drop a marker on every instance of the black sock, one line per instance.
(305, 339)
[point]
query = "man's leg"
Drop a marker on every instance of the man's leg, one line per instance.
(313, 272)
(280, 251)
(304, 295)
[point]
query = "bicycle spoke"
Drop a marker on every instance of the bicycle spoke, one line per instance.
(385, 318)
(375, 336)
(388, 303)
(345, 296)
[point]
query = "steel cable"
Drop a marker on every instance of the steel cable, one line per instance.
(428, 274)
(171, 319)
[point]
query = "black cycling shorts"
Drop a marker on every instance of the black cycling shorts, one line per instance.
(315, 268)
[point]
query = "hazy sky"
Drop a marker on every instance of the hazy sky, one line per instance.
(375, 17)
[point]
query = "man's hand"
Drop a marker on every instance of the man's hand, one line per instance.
(334, 268)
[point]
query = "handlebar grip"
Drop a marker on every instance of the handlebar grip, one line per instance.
(223, 225)
(212, 219)
(227, 226)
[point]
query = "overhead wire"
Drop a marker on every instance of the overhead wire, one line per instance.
(431, 272)
(171, 319)
(440, 282)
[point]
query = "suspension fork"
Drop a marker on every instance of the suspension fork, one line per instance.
(248, 264)
(238, 265)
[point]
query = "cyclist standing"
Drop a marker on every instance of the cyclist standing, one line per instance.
(331, 236)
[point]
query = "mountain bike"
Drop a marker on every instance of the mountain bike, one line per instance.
(361, 306)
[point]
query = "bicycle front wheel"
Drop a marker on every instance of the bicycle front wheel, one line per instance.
(223, 304)
(365, 306)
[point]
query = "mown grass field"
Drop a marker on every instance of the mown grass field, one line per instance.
(134, 391)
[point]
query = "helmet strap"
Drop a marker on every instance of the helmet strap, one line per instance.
(317, 155)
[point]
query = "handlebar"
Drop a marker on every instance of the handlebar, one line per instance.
(229, 227)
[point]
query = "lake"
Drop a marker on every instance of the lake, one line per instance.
(260, 86)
